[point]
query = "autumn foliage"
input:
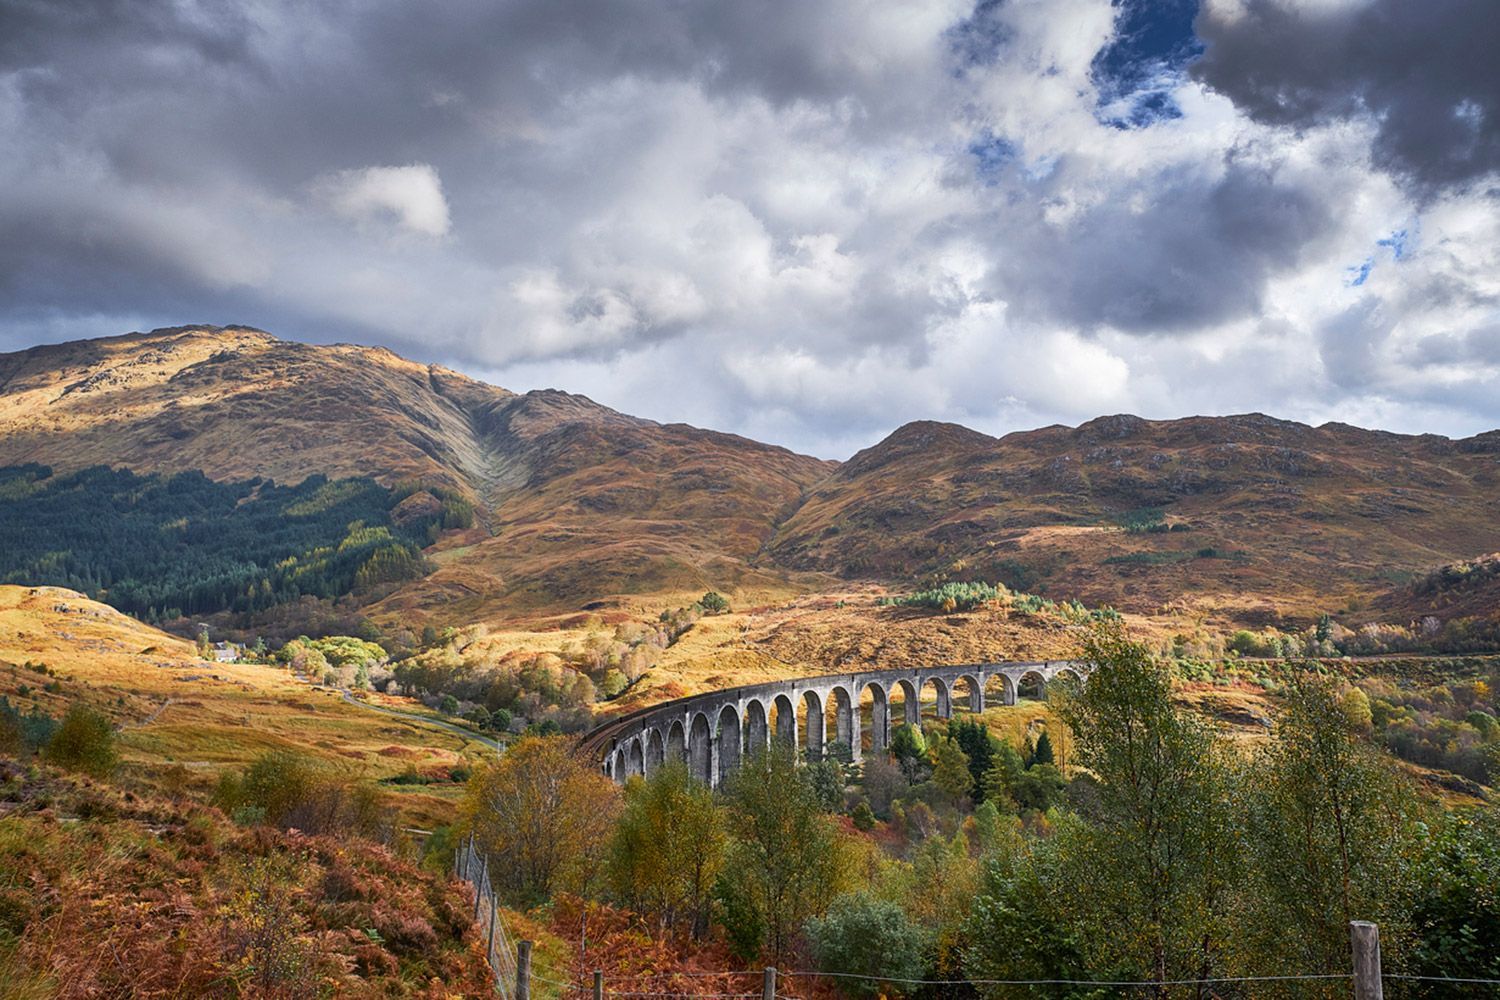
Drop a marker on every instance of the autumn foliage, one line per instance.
(103, 893)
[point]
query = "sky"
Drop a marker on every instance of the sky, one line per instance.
(807, 223)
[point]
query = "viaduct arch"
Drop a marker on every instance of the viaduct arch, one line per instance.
(713, 732)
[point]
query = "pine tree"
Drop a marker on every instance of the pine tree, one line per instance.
(1043, 753)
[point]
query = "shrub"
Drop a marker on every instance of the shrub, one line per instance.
(864, 936)
(1142, 520)
(12, 739)
(84, 741)
(291, 791)
(863, 816)
(1356, 706)
(951, 596)
(449, 705)
(713, 603)
(1148, 558)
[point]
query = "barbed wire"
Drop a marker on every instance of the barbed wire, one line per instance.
(689, 974)
(699, 996)
(1069, 982)
(651, 995)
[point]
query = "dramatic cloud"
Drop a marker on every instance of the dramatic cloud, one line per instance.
(803, 222)
(1424, 73)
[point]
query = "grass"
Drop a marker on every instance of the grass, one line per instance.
(217, 716)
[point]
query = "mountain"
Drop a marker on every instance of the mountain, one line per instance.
(574, 501)
(1255, 516)
(1247, 518)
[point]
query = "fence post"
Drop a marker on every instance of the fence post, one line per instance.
(489, 944)
(768, 986)
(523, 970)
(1365, 937)
(598, 984)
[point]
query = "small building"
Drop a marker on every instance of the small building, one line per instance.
(227, 652)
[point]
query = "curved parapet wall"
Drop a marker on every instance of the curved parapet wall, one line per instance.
(713, 732)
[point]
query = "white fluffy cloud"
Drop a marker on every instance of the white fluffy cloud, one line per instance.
(410, 196)
(806, 223)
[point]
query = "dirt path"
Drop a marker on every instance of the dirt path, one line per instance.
(467, 734)
(148, 719)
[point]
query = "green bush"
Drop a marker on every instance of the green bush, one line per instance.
(84, 741)
(864, 936)
(24, 733)
(713, 603)
(1456, 908)
(1142, 520)
(289, 790)
(951, 596)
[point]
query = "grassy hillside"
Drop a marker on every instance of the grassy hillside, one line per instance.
(185, 722)
(1249, 517)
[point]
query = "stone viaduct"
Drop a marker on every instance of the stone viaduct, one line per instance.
(714, 731)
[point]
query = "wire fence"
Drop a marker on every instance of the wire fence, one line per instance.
(513, 976)
(470, 867)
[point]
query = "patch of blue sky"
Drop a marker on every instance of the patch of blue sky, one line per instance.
(1398, 243)
(992, 154)
(1146, 60)
(995, 155)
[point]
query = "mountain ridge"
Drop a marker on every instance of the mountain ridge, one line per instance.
(1249, 514)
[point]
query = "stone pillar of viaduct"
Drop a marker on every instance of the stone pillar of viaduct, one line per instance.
(713, 733)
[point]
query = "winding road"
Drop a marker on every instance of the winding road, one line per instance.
(467, 734)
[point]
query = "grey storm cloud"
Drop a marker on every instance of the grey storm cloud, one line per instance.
(1171, 258)
(1427, 73)
(805, 222)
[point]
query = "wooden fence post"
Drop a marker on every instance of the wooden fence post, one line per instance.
(489, 944)
(1365, 937)
(523, 970)
(598, 984)
(768, 986)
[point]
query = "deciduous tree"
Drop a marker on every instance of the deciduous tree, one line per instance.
(668, 847)
(950, 770)
(1331, 828)
(542, 816)
(786, 863)
(1156, 863)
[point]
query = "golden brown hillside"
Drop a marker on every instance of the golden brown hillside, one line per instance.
(1253, 516)
(575, 501)
(183, 721)
(238, 403)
